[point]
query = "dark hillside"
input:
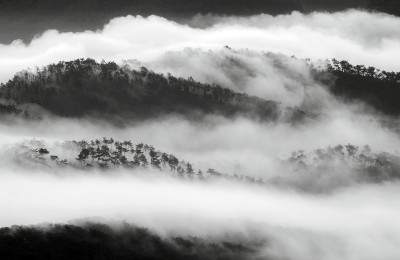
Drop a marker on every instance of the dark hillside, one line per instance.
(378, 88)
(380, 94)
(84, 87)
(100, 242)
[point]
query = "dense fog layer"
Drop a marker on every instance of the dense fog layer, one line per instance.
(239, 146)
(358, 223)
(360, 37)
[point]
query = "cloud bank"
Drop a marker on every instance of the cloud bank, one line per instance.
(360, 37)
(360, 223)
(239, 146)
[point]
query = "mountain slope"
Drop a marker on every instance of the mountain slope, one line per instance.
(101, 241)
(84, 87)
(377, 88)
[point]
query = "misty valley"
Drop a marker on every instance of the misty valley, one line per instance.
(213, 130)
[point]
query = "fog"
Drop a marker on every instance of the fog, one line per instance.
(232, 146)
(269, 76)
(358, 223)
(325, 210)
(357, 36)
(238, 145)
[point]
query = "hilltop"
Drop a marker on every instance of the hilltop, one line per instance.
(84, 87)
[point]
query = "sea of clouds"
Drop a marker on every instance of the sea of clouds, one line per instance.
(355, 222)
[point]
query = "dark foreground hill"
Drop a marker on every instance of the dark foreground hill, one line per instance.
(94, 241)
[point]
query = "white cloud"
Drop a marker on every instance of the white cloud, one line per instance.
(360, 37)
(360, 223)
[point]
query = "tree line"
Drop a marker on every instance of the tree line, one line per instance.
(361, 70)
(107, 153)
(84, 87)
(370, 166)
(379, 89)
(336, 166)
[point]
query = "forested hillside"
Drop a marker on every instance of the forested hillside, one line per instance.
(378, 88)
(84, 87)
(110, 154)
(101, 241)
(320, 171)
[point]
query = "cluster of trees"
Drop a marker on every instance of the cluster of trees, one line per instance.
(359, 164)
(85, 87)
(322, 170)
(368, 165)
(377, 88)
(94, 241)
(9, 108)
(108, 153)
(361, 70)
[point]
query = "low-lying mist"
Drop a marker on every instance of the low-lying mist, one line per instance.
(356, 223)
(233, 146)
